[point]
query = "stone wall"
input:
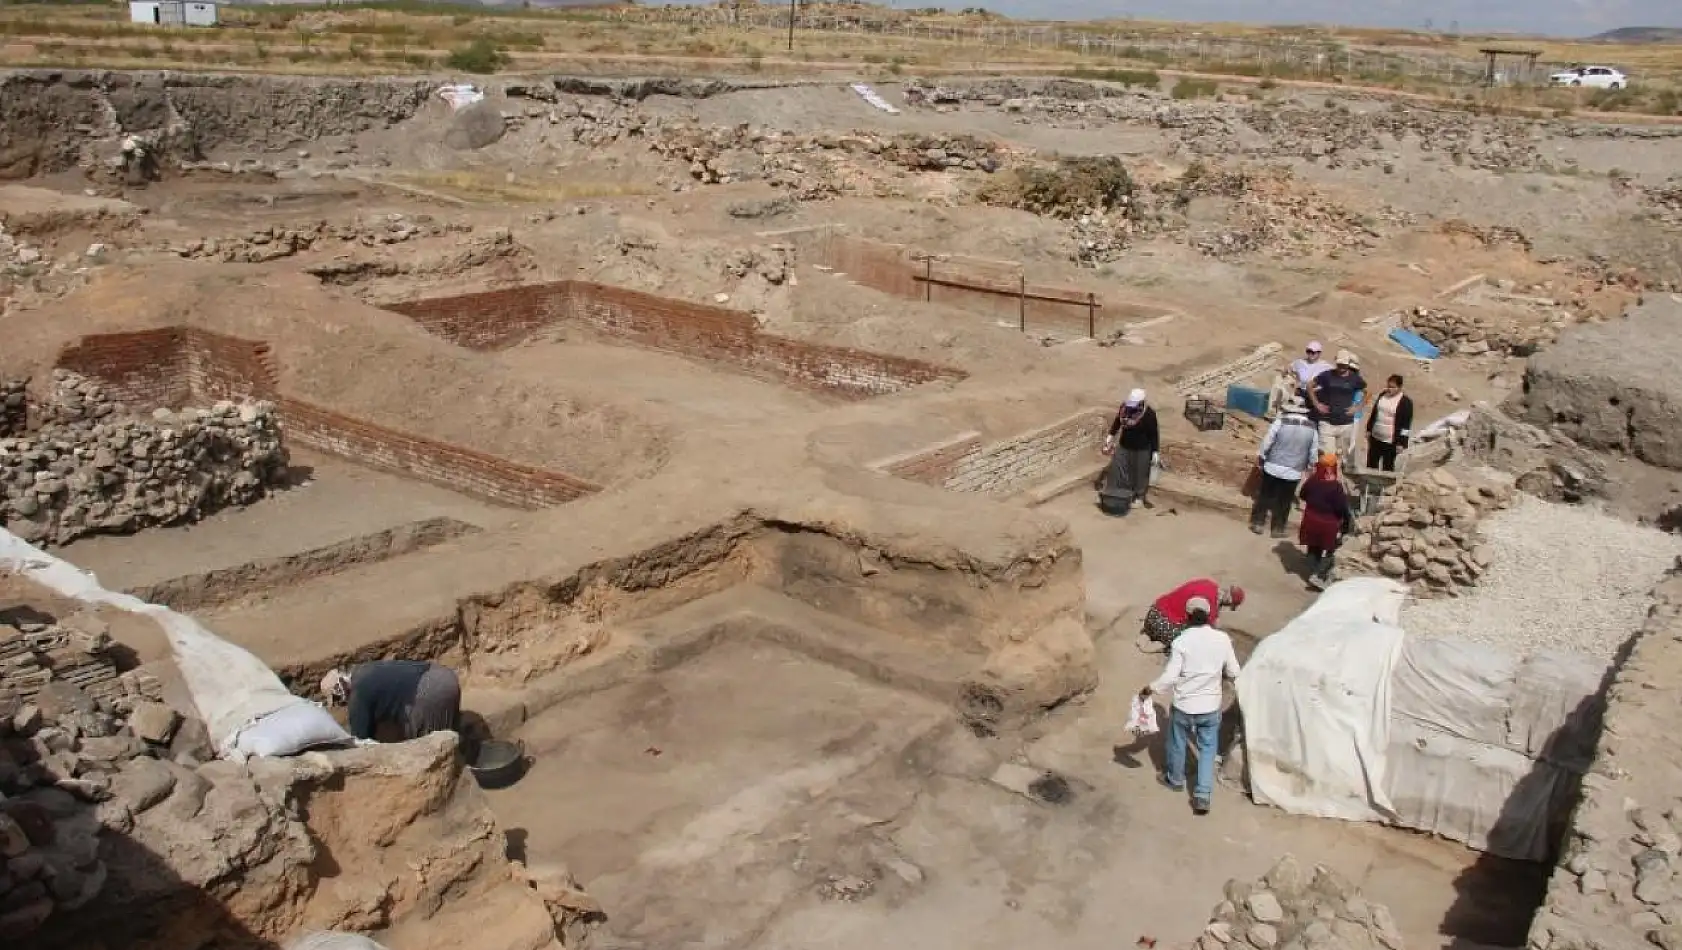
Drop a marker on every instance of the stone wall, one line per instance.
(963, 463)
(1619, 883)
(89, 467)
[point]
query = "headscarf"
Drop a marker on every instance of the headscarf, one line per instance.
(1325, 470)
(335, 687)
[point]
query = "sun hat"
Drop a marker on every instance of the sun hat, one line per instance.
(1135, 397)
(1346, 358)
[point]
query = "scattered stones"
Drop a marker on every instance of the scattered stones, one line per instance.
(1468, 335)
(275, 242)
(89, 467)
(1293, 906)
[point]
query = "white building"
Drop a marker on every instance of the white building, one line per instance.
(173, 12)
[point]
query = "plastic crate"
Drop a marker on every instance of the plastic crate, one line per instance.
(1247, 399)
(1205, 414)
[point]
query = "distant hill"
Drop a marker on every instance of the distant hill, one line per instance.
(1641, 34)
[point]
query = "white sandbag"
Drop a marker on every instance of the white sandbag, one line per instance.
(1455, 686)
(1553, 710)
(291, 730)
(1316, 703)
(1490, 798)
(230, 687)
(333, 940)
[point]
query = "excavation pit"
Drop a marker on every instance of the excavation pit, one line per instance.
(338, 517)
(715, 770)
(727, 339)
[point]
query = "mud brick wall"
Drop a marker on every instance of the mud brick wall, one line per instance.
(1209, 463)
(491, 320)
(179, 365)
(1003, 468)
(452, 466)
(733, 338)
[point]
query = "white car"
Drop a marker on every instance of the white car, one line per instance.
(1590, 77)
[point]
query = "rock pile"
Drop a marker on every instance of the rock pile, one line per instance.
(1426, 530)
(75, 761)
(1464, 334)
(720, 155)
(274, 242)
(1274, 213)
(89, 467)
(14, 407)
(1296, 908)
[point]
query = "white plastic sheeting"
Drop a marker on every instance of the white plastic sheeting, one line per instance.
(460, 95)
(875, 98)
(1316, 703)
(231, 688)
(1347, 717)
(333, 940)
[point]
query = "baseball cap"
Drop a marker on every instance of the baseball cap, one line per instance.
(1197, 603)
(1135, 397)
(1313, 346)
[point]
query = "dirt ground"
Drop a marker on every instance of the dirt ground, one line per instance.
(754, 796)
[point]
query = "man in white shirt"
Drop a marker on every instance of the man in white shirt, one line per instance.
(1198, 661)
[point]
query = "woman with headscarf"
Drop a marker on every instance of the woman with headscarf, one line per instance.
(1128, 477)
(1326, 518)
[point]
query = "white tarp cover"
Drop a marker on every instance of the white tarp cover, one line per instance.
(874, 98)
(1316, 703)
(460, 95)
(1347, 717)
(231, 688)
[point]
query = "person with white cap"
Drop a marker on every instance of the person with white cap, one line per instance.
(412, 698)
(1309, 365)
(1334, 398)
(1198, 661)
(1127, 479)
(1287, 451)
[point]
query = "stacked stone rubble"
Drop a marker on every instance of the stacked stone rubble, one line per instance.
(275, 242)
(14, 407)
(90, 467)
(1465, 334)
(1425, 531)
(1298, 908)
(80, 751)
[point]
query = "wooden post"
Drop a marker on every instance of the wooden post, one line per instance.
(791, 4)
(928, 278)
(1091, 316)
(1022, 302)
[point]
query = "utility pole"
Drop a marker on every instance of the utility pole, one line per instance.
(791, 4)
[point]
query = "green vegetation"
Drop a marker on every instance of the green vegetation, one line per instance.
(481, 56)
(1190, 88)
(1126, 77)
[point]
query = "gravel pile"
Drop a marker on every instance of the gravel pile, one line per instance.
(1560, 577)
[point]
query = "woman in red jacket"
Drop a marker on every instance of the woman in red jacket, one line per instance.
(1167, 617)
(1326, 518)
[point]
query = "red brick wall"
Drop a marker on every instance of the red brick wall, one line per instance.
(491, 320)
(144, 369)
(452, 466)
(500, 318)
(733, 338)
(181, 365)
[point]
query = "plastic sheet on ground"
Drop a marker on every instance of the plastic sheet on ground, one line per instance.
(460, 95)
(231, 688)
(874, 98)
(1455, 686)
(1316, 702)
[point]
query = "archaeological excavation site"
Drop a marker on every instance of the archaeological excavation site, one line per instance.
(736, 443)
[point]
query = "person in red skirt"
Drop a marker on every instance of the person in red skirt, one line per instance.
(1326, 518)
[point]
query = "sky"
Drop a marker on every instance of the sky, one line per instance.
(1548, 17)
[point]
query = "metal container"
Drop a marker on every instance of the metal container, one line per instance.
(498, 764)
(1205, 414)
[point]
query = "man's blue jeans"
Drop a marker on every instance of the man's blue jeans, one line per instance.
(1205, 730)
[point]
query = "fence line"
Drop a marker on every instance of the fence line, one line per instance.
(1248, 55)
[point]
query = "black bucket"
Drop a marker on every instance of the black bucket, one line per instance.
(498, 764)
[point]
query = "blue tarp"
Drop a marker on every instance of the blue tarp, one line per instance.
(1415, 344)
